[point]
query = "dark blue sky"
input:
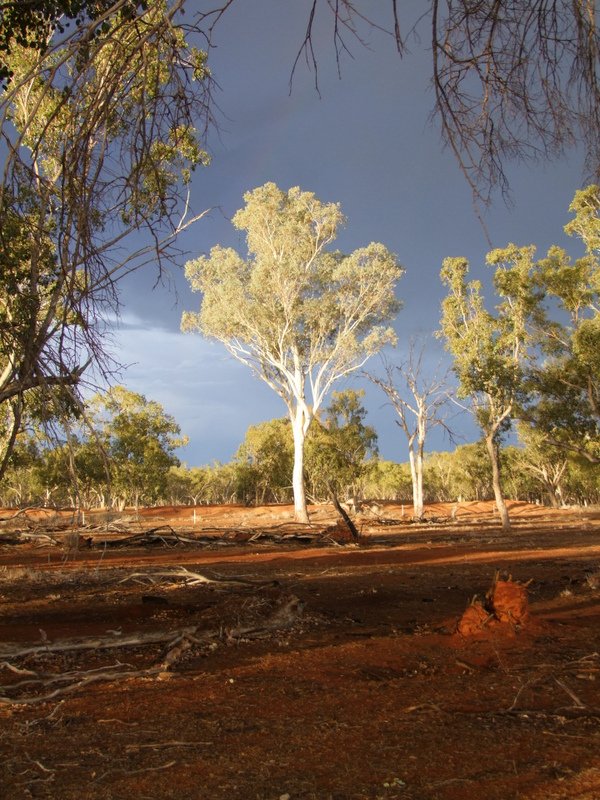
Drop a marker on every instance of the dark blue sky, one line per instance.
(366, 142)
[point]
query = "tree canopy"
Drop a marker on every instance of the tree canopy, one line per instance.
(565, 384)
(511, 81)
(491, 349)
(535, 357)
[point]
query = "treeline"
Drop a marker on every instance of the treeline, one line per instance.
(123, 454)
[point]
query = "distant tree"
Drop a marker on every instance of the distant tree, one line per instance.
(582, 482)
(387, 480)
(418, 401)
(462, 474)
(300, 316)
(490, 351)
(340, 449)
(222, 483)
(547, 465)
(139, 439)
(268, 453)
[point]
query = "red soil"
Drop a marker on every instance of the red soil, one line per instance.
(371, 692)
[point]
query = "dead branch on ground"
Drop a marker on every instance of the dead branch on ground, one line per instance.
(283, 616)
(194, 578)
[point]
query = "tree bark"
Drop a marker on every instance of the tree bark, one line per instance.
(299, 430)
(416, 475)
(492, 449)
(9, 443)
(419, 486)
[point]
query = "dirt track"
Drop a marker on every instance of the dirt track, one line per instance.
(363, 691)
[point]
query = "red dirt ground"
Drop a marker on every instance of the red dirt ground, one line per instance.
(325, 672)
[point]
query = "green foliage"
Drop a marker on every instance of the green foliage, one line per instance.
(566, 385)
(266, 459)
(30, 24)
(387, 480)
(340, 453)
(139, 440)
(492, 350)
(120, 453)
(100, 140)
(293, 310)
(464, 474)
(341, 450)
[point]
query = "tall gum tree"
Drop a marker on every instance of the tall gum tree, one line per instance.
(491, 350)
(299, 315)
(565, 385)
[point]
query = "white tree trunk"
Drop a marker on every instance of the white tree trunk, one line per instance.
(418, 497)
(299, 428)
(498, 496)
(415, 457)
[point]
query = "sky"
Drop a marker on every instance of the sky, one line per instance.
(366, 141)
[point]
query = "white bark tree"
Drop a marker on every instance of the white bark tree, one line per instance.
(418, 402)
(299, 315)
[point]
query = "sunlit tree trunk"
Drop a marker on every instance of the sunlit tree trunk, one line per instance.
(13, 412)
(492, 448)
(415, 457)
(300, 424)
(418, 503)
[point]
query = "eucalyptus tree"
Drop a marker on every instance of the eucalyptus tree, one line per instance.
(139, 439)
(418, 400)
(462, 474)
(267, 453)
(387, 480)
(341, 450)
(565, 385)
(491, 351)
(299, 315)
(99, 128)
(546, 464)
